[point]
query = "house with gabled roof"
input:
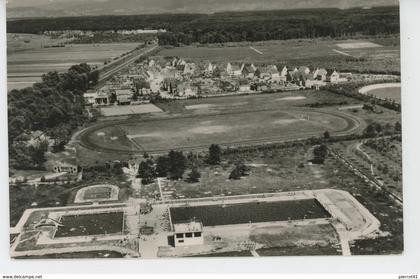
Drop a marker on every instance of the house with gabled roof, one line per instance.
(234, 69)
(248, 71)
(320, 74)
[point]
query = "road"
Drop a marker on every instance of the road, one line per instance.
(107, 74)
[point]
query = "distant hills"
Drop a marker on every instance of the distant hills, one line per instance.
(60, 8)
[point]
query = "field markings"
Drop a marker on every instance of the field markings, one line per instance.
(343, 53)
(256, 50)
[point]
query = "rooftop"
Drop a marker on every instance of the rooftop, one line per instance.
(193, 226)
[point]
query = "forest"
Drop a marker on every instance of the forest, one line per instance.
(54, 106)
(185, 29)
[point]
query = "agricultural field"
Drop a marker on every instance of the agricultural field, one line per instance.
(370, 54)
(254, 212)
(27, 65)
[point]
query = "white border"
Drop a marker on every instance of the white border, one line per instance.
(407, 263)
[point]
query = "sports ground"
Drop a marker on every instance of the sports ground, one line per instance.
(230, 121)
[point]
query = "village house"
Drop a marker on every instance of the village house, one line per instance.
(234, 69)
(170, 85)
(320, 74)
(269, 72)
(209, 68)
(189, 69)
(124, 96)
(248, 71)
(96, 98)
(283, 74)
(337, 77)
(244, 85)
(186, 90)
(190, 233)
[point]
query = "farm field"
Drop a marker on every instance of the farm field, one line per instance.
(90, 224)
(254, 212)
(28, 65)
(377, 54)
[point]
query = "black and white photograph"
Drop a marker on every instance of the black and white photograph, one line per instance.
(142, 129)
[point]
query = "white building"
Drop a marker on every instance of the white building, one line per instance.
(190, 233)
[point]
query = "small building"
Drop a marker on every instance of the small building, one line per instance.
(337, 77)
(244, 85)
(190, 233)
(189, 69)
(234, 69)
(186, 90)
(124, 96)
(248, 71)
(320, 74)
(68, 165)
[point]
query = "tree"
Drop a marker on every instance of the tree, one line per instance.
(370, 131)
(326, 135)
(398, 127)
(238, 171)
(214, 154)
(147, 171)
(162, 166)
(177, 164)
(194, 175)
(320, 153)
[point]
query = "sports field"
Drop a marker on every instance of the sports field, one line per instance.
(227, 128)
(230, 121)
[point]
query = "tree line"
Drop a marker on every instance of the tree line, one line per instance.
(54, 106)
(185, 29)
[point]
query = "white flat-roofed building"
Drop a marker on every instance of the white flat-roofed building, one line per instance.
(190, 233)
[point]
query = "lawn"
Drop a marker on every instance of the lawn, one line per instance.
(90, 224)
(254, 212)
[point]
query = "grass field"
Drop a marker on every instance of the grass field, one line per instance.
(225, 120)
(255, 212)
(90, 224)
(331, 54)
(392, 93)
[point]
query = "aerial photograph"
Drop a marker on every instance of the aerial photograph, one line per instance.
(194, 128)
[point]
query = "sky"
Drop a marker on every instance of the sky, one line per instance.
(17, 8)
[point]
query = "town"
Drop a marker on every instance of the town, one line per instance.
(159, 143)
